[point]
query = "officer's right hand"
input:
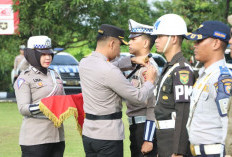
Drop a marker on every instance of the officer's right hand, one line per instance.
(151, 73)
(139, 60)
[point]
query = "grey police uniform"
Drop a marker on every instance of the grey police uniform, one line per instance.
(141, 116)
(103, 87)
(138, 79)
(172, 106)
(20, 64)
(30, 87)
(18, 60)
(207, 125)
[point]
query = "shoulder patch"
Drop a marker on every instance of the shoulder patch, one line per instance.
(223, 93)
(184, 76)
(227, 85)
(20, 81)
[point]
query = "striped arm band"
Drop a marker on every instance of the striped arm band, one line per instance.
(149, 131)
(34, 109)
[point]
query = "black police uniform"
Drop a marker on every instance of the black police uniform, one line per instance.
(173, 101)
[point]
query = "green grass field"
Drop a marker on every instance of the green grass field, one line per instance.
(10, 122)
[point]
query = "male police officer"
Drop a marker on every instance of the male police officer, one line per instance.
(141, 117)
(172, 106)
(20, 63)
(103, 85)
(207, 123)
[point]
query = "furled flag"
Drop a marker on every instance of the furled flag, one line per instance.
(60, 107)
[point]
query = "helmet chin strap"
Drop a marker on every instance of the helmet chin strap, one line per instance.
(167, 43)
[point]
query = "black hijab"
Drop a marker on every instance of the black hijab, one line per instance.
(33, 57)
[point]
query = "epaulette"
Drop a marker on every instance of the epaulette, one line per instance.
(35, 70)
(55, 72)
(224, 70)
(26, 71)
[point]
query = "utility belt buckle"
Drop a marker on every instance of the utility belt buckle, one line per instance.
(136, 120)
(208, 149)
(192, 149)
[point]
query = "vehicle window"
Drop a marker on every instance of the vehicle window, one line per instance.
(63, 60)
(160, 61)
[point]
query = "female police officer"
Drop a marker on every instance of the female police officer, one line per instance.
(38, 136)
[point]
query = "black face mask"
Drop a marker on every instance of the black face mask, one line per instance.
(33, 58)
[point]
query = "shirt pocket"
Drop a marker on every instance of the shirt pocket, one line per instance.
(166, 94)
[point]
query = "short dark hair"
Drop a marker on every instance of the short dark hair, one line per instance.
(224, 45)
(102, 38)
(151, 39)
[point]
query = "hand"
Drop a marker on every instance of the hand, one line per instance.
(140, 60)
(151, 73)
(146, 147)
(228, 156)
(173, 155)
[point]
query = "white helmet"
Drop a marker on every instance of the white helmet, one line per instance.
(170, 24)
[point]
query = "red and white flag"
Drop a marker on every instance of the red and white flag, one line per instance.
(9, 20)
(60, 107)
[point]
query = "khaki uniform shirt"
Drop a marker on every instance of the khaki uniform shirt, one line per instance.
(103, 87)
(30, 87)
(138, 79)
(17, 61)
(20, 64)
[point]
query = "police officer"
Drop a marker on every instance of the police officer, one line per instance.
(38, 136)
(103, 87)
(20, 63)
(228, 143)
(141, 117)
(207, 123)
(176, 80)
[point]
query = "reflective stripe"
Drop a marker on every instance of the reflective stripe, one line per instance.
(163, 79)
(34, 109)
(149, 130)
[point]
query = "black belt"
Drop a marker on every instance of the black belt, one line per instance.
(116, 115)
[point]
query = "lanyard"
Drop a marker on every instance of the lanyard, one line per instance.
(199, 85)
(164, 78)
(54, 82)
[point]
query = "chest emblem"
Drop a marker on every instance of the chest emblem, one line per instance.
(184, 76)
(40, 84)
(165, 97)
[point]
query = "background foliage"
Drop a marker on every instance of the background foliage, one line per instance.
(72, 24)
